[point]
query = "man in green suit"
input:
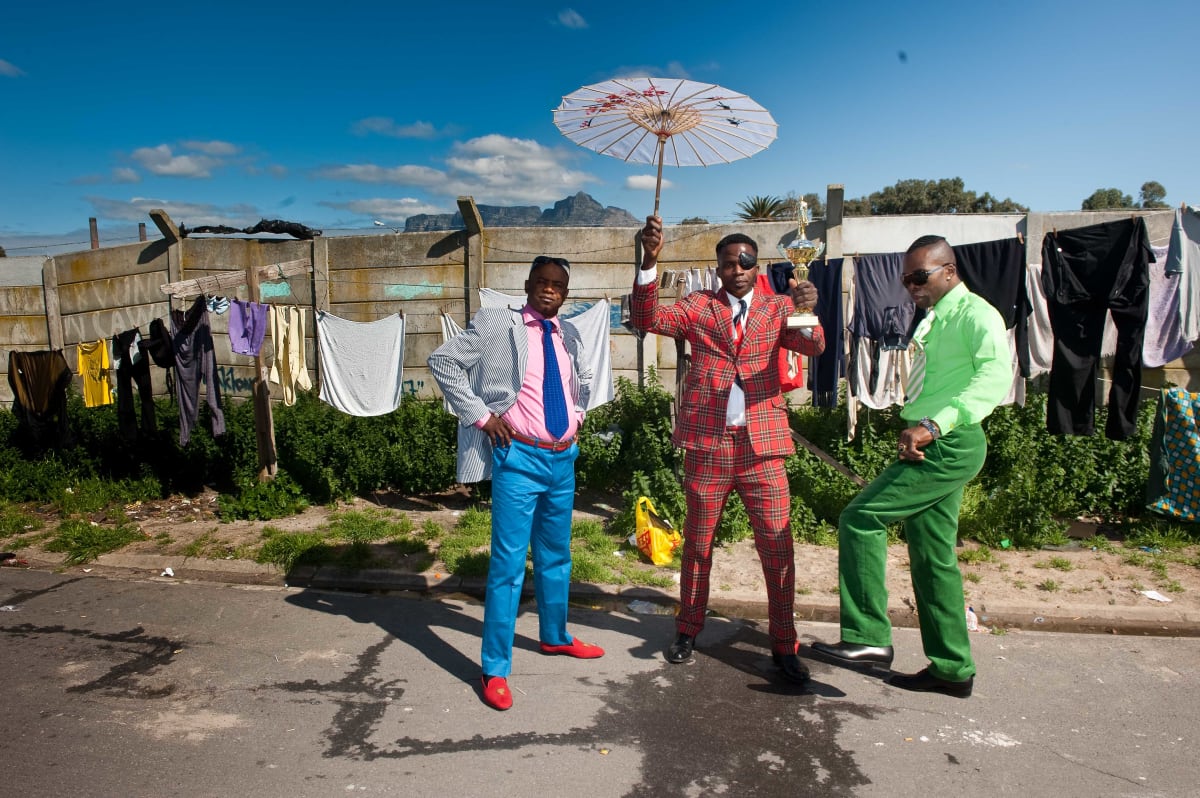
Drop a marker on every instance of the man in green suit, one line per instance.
(961, 369)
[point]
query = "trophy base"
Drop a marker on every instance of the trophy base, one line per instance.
(803, 321)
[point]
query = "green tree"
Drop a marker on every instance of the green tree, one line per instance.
(1152, 195)
(695, 220)
(815, 206)
(1106, 198)
(948, 195)
(763, 209)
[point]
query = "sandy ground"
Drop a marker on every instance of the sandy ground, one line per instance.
(1082, 580)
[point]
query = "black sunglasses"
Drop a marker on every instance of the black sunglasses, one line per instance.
(921, 276)
(544, 259)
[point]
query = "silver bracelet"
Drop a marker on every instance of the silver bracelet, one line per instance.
(931, 425)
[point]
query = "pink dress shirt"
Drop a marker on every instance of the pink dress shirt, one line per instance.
(527, 417)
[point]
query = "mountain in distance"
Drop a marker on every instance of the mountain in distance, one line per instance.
(580, 210)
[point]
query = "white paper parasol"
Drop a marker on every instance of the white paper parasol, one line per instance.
(665, 120)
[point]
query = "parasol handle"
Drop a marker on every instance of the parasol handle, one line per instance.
(662, 143)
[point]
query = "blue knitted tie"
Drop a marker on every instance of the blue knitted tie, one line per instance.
(553, 402)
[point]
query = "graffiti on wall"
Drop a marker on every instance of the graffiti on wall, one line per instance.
(231, 383)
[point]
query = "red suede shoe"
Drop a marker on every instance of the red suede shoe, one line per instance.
(577, 649)
(496, 693)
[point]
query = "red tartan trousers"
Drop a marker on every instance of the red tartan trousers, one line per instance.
(761, 482)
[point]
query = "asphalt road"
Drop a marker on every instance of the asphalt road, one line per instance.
(161, 688)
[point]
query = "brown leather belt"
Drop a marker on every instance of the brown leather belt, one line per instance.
(538, 443)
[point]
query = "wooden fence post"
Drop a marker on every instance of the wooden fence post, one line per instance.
(54, 325)
(472, 255)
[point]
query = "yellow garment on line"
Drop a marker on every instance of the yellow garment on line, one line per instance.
(288, 367)
(94, 367)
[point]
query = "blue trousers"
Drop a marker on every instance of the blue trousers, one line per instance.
(533, 495)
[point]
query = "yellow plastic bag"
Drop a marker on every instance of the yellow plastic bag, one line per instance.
(656, 538)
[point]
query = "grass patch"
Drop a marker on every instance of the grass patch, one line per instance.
(15, 521)
(367, 526)
(464, 549)
(83, 541)
(289, 549)
(973, 577)
(975, 556)
(1048, 585)
(209, 546)
(432, 530)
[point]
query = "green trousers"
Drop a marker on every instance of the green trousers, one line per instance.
(927, 497)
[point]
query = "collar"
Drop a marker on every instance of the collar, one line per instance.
(952, 299)
(733, 300)
(531, 316)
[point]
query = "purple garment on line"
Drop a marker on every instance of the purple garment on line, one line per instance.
(247, 326)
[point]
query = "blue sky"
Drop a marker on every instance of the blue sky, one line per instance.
(334, 115)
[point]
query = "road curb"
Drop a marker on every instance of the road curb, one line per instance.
(1160, 621)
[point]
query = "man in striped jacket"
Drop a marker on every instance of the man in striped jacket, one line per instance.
(516, 379)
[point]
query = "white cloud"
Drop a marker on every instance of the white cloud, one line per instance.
(277, 170)
(386, 126)
(672, 69)
(217, 148)
(191, 214)
(371, 173)
(494, 169)
(570, 18)
(645, 182)
(162, 161)
(10, 70)
(386, 209)
(120, 174)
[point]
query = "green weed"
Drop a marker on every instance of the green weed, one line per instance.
(15, 521)
(83, 541)
(1048, 585)
(976, 555)
(288, 549)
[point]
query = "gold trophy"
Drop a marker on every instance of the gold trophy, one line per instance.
(801, 252)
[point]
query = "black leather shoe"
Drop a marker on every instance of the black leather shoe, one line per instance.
(681, 649)
(855, 654)
(792, 668)
(925, 682)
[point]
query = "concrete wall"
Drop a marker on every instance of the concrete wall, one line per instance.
(95, 294)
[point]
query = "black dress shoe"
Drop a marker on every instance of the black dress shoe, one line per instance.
(681, 649)
(792, 668)
(925, 682)
(855, 654)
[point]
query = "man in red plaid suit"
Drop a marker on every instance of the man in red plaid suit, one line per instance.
(732, 424)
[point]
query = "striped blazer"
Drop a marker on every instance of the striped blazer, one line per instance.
(481, 369)
(705, 320)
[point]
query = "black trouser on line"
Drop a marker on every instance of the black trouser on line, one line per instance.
(1087, 271)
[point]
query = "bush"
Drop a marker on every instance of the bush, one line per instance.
(262, 501)
(629, 434)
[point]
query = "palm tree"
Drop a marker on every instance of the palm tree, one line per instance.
(762, 209)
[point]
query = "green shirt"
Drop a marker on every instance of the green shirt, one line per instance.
(968, 368)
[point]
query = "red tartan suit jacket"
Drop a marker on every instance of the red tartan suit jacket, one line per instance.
(705, 320)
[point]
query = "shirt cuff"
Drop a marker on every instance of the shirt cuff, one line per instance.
(479, 424)
(647, 276)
